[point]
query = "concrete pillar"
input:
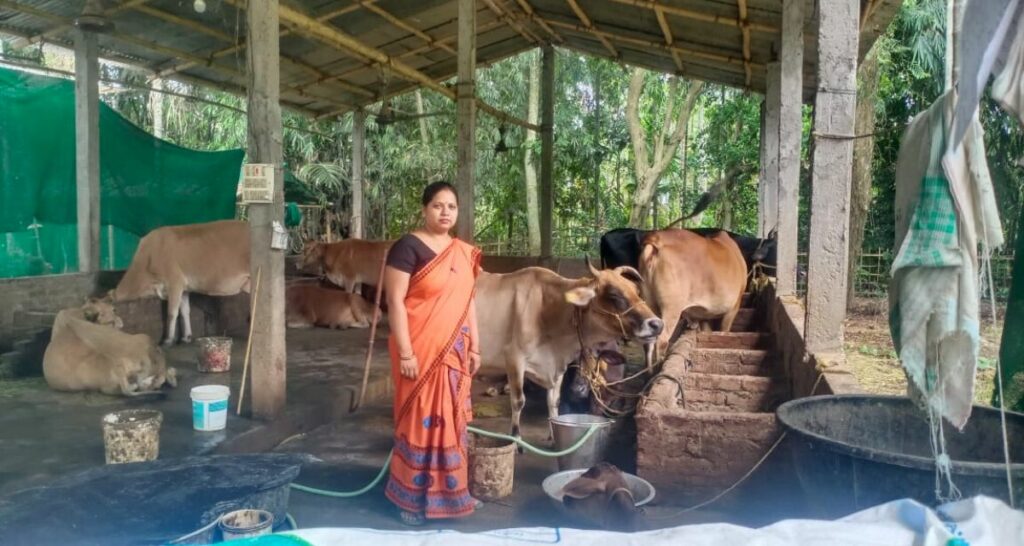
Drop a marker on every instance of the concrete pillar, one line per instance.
(465, 181)
(791, 64)
(835, 110)
(358, 154)
(547, 144)
(87, 149)
(768, 194)
(265, 146)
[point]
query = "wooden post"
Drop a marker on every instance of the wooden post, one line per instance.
(358, 154)
(87, 149)
(265, 146)
(791, 64)
(768, 196)
(834, 113)
(465, 99)
(547, 144)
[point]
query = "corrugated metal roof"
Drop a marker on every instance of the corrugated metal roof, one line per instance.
(168, 36)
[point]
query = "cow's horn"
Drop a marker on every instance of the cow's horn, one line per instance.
(590, 266)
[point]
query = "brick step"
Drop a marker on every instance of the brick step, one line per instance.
(730, 361)
(734, 340)
(716, 392)
(744, 321)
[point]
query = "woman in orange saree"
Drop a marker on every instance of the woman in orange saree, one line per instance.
(430, 279)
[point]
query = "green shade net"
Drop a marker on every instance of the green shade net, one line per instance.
(1011, 349)
(145, 182)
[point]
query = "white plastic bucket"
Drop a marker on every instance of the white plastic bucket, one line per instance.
(210, 407)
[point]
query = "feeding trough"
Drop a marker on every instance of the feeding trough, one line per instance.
(855, 451)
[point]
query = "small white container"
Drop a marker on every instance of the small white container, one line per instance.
(210, 407)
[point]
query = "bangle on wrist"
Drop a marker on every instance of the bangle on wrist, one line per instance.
(410, 357)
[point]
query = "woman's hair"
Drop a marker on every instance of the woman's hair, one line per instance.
(434, 188)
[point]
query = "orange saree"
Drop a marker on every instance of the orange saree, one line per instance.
(429, 471)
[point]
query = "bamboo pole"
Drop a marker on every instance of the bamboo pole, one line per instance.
(667, 31)
(511, 21)
(590, 26)
(406, 27)
(658, 45)
(248, 343)
(698, 16)
(745, 30)
(532, 15)
(61, 27)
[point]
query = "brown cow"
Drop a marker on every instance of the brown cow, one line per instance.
(528, 319)
(311, 305)
(692, 276)
(171, 261)
(347, 263)
(602, 496)
(88, 352)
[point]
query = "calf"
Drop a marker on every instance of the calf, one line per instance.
(310, 305)
(602, 497)
(87, 352)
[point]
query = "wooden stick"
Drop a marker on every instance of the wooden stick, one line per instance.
(248, 344)
(373, 334)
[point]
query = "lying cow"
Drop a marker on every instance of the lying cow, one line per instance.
(622, 247)
(172, 261)
(688, 274)
(602, 497)
(88, 352)
(311, 305)
(528, 323)
(347, 263)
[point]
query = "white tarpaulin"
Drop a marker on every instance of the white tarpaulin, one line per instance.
(979, 521)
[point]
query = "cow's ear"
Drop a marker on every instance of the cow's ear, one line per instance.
(581, 488)
(580, 296)
(630, 274)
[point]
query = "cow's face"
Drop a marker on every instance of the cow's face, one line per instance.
(312, 256)
(101, 312)
(613, 303)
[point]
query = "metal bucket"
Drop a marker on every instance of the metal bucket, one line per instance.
(246, 524)
(568, 429)
(131, 436)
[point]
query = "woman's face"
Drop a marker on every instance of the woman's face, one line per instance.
(441, 212)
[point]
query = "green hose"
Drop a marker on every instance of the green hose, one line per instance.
(387, 464)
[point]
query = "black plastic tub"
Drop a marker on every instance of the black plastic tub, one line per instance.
(852, 452)
(147, 503)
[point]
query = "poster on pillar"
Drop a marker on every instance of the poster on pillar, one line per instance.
(258, 183)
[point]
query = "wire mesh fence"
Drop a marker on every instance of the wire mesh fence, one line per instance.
(871, 278)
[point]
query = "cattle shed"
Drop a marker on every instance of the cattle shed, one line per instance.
(327, 58)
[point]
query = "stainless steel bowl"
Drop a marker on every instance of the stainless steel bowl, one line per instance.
(642, 490)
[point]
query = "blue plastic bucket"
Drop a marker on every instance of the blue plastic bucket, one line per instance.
(210, 407)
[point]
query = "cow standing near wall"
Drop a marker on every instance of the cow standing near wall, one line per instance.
(172, 261)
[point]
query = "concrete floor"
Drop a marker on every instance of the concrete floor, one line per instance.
(44, 434)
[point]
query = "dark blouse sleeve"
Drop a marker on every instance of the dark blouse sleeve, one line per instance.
(402, 255)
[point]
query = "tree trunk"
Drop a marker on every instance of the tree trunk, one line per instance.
(530, 167)
(649, 170)
(424, 135)
(863, 154)
(156, 107)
